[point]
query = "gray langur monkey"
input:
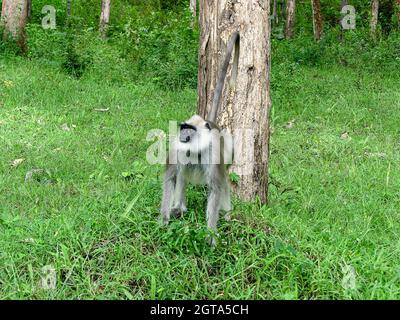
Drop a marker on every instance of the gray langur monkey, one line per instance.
(198, 155)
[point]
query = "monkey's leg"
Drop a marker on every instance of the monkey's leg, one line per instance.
(226, 204)
(213, 206)
(179, 207)
(168, 194)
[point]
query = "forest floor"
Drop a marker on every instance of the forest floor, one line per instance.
(331, 229)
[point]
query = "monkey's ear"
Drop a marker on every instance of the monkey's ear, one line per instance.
(208, 126)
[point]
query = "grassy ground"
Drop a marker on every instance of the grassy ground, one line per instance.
(92, 214)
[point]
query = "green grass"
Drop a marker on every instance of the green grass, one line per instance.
(334, 192)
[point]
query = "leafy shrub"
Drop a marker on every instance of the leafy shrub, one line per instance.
(356, 50)
(8, 47)
(162, 46)
(74, 63)
(48, 44)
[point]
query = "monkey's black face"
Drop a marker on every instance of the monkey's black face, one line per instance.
(187, 132)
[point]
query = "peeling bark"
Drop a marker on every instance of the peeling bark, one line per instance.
(14, 14)
(247, 104)
(317, 19)
(290, 20)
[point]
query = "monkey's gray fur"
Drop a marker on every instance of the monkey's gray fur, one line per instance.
(201, 140)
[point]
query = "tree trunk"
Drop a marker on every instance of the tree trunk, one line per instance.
(397, 10)
(317, 19)
(290, 18)
(105, 17)
(193, 9)
(244, 109)
(14, 14)
(374, 17)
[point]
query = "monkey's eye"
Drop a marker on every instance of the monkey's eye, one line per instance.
(208, 126)
(184, 126)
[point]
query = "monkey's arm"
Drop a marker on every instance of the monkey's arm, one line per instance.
(216, 190)
(179, 205)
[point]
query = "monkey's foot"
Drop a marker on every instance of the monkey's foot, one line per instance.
(227, 216)
(163, 220)
(211, 241)
(178, 211)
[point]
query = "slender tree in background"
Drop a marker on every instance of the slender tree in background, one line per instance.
(374, 17)
(14, 14)
(68, 18)
(29, 10)
(69, 8)
(343, 3)
(246, 104)
(397, 10)
(283, 10)
(317, 19)
(193, 10)
(290, 18)
(105, 17)
(193, 7)
(274, 12)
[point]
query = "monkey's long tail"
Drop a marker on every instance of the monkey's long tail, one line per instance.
(233, 41)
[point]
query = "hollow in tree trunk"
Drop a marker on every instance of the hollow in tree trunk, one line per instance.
(245, 107)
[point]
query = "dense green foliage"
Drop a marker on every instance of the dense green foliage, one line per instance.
(153, 41)
(79, 108)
